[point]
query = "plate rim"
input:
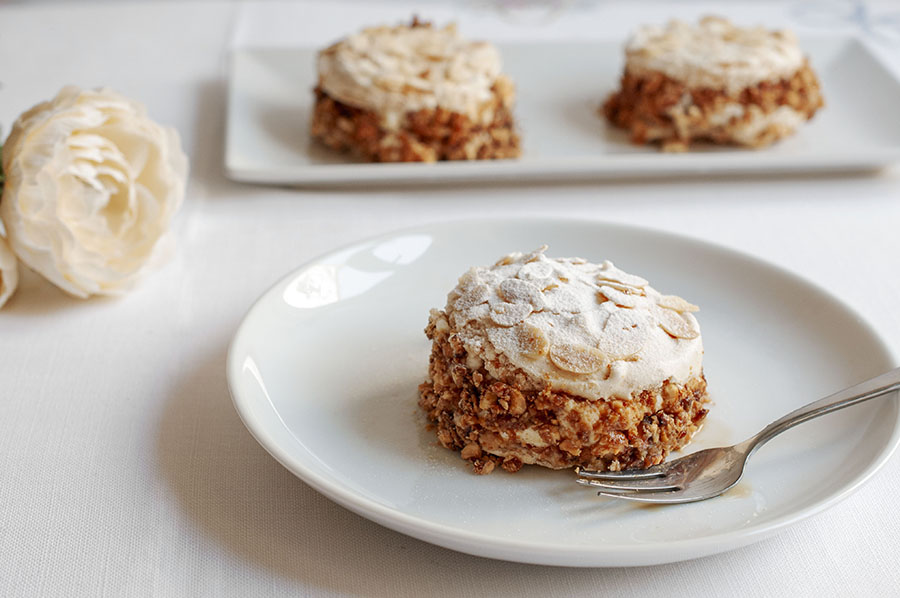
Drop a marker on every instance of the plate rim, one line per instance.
(548, 553)
(595, 167)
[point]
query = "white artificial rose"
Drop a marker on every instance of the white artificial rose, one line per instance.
(9, 272)
(92, 185)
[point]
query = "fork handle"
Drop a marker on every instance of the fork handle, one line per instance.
(870, 389)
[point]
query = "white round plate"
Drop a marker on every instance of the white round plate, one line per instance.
(325, 367)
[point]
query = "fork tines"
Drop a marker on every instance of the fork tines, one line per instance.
(625, 482)
(628, 474)
(626, 487)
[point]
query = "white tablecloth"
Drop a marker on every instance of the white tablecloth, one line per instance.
(124, 469)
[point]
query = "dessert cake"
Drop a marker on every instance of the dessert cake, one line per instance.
(713, 81)
(561, 362)
(414, 93)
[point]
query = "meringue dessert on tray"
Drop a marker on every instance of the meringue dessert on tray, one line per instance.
(362, 134)
(713, 81)
(559, 362)
(414, 93)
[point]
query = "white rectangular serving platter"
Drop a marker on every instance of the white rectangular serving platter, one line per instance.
(560, 88)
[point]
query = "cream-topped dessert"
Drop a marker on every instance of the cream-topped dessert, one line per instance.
(393, 70)
(713, 81)
(714, 53)
(414, 92)
(561, 362)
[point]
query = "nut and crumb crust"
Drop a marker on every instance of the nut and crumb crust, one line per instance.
(426, 135)
(656, 108)
(489, 420)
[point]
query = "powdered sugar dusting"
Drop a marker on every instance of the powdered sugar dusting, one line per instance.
(592, 330)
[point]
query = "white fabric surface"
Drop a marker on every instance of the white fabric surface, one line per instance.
(124, 470)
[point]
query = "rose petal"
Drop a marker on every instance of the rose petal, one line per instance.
(9, 272)
(92, 187)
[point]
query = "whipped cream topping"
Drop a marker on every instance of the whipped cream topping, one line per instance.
(714, 53)
(395, 70)
(590, 330)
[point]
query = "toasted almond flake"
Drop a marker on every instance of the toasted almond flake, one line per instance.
(676, 324)
(618, 297)
(622, 287)
(468, 280)
(610, 272)
(651, 292)
(460, 317)
(472, 297)
(514, 290)
(578, 359)
(510, 314)
(624, 334)
(530, 340)
(535, 271)
(677, 303)
(536, 254)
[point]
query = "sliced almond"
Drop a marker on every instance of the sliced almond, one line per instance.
(510, 314)
(514, 290)
(469, 279)
(622, 287)
(389, 83)
(472, 297)
(535, 271)
(531, 340)
(624, 334)
(536, 254)
(677, 303)
(578, 359)
(618, 297)
(609, 272)
(676, 324)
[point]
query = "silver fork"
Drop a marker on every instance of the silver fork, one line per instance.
(712, 471)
